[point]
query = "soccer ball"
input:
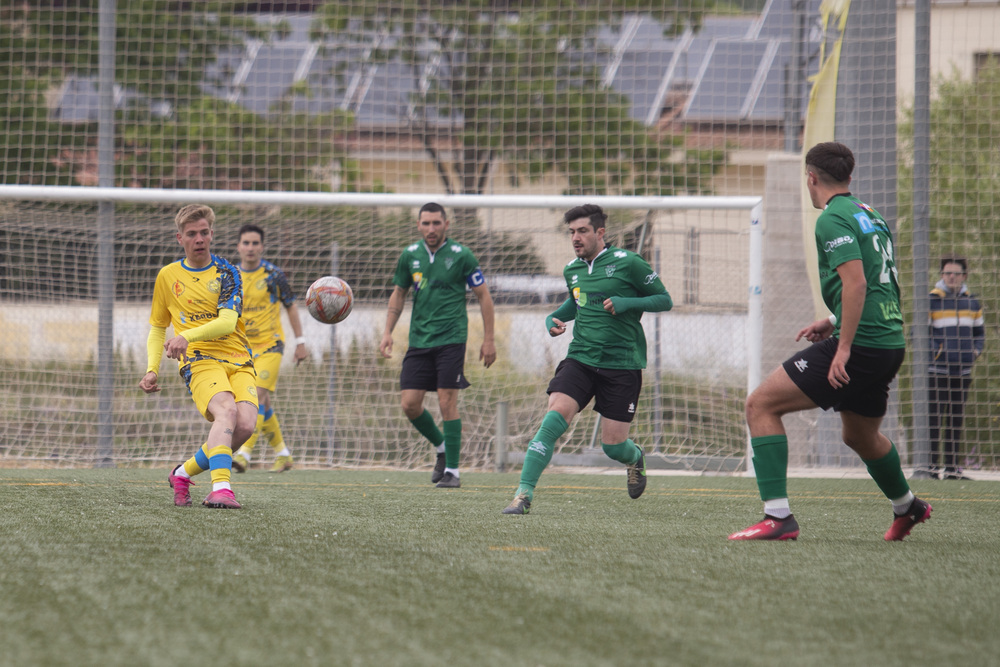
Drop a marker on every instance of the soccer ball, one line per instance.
(329, 300)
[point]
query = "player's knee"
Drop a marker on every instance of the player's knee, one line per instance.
(412, 409)
(754, 407)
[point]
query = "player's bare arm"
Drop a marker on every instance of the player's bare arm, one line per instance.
(852, 304)
(301, 352)
(488, 351)
(396, 301)
(816, 331)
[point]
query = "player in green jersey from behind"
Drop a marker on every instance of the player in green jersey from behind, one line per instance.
(854, 356)
(439, 271)
(610, 289)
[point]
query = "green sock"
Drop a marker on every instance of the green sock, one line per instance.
(540, 451)
(452, 442)
(425, 424)
(624, 452)
(770, 462)
(888, 474)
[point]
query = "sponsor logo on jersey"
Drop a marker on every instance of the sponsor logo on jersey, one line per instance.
(418, 278)
(631, 408)
(801, 365)
(610, 270)
(837, 242)
(413, 247)
(574, 279)
(621, 253)
(580, 297)
(456, 248)
(648, 280)
(865, 223)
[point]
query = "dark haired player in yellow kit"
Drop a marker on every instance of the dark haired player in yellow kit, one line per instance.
(201, 295)
(265, 291)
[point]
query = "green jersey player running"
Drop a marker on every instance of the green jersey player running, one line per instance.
(855, 354)
(609, 290)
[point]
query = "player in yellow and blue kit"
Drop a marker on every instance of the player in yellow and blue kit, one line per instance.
(201, 296)
(265, 291)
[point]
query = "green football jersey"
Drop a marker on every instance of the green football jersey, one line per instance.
(601, 339)
(849, 229)
(438, 280)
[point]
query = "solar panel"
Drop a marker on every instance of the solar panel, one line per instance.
(725, 80)
(638, 78)
(270, 77)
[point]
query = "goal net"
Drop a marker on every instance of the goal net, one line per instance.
(341, 406)
(484, 98)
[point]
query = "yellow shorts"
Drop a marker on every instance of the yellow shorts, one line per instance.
(267, 365)
(207, 377)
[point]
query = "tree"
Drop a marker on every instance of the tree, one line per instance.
(964, 175)
(173, 133)
(519, 83)
(964, 200)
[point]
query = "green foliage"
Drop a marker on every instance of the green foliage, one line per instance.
(519, 82)
(964, 199)
(167, 54)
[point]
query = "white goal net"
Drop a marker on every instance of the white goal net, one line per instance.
(341, 406)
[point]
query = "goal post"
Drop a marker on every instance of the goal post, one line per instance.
(341, 407)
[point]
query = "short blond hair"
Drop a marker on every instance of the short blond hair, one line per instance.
(193, 213)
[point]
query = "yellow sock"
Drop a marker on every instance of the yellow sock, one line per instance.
(248, 446)
(192, 467)
(220, 458)
(272, 430)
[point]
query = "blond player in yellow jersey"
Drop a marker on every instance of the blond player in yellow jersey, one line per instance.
(265, 291)
(201, 296)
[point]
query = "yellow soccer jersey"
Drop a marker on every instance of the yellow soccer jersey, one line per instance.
(265, 291)
(187, 298)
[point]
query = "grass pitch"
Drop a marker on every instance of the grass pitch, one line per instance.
(381, 568)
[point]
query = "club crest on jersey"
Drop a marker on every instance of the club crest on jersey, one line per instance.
(261, 284)
(610, 270)
(215, 286)
(449, 262)
(178, 288)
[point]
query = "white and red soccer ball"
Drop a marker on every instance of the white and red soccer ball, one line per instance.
(329, 300)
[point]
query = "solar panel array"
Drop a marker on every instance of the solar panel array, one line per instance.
(732, 69)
